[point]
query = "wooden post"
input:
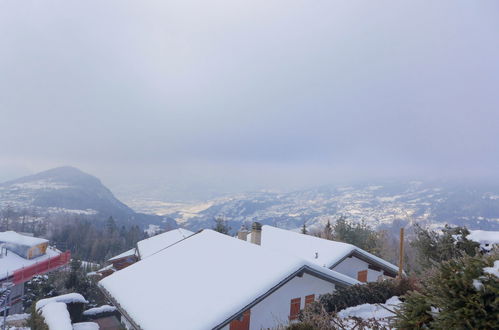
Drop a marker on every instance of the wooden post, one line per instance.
(401, 256)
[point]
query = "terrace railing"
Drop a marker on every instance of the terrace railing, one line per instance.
(27, 273)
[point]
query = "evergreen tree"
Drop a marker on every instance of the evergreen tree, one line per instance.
(459, 294)
(358, 234)
(304, 229)
(76, 280)
(221, 225)
(433, 248)
(111, 226)
(327, 232)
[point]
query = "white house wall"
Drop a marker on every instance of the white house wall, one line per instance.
(274, 310)
(351, 266)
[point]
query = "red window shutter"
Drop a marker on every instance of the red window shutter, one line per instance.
(243, 323)
(309, 299)
(362, 276)
(294, 310)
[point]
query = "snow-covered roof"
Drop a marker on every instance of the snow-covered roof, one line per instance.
(12, 262)
(128, 253)
(56, 316)
(99, 310)
(65, 298)
(15, 238)
(150, 246)
(486, 238)
(223, 275)
(320, 251)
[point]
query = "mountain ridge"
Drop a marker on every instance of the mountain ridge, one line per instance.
(68, 190)
(380, 204)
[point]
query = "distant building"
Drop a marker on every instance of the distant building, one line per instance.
(212, 281)
(344, 258)
(21, 258)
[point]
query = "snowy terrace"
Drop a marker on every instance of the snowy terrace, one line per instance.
(18, 268)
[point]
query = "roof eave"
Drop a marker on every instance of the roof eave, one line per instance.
(118, 306)
(365, 257)
(299, 272)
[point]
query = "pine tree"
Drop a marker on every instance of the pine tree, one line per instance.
(304, 229)
(433, 248)
(221, 225)
(458, 294)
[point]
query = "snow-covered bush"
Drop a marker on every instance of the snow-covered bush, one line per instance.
(461, 293)
(434, 247)
(369, 293)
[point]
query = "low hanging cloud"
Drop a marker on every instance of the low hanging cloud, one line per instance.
(250, 93)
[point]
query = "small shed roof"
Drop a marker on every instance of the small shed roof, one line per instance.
(150, 246)
(65, 298)
(128, 253)
(56, 316)
(15, 238)
(320, 251)
(224, 276)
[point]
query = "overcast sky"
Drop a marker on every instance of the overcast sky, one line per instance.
(249, 94)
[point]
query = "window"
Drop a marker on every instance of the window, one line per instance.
(362, 276)
(294, 310)
(242, 323)
(309, 299)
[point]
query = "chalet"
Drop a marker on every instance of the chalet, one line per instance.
(144, 249)
(344, 258)
(21, 258)
(212, 281)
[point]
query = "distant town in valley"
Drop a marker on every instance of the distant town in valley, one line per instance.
(249, 165)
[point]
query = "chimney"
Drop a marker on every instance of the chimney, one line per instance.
(256, 233)
(243, 232)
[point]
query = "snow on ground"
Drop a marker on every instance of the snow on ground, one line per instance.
(486, 238)
(494, 270)
(40, 185)
(152, 230)
(99, 310)
(15, 322)
(65, 298)
(72, 211)
(56, 316)
(86, 326)
(16, 317)
(369, 311)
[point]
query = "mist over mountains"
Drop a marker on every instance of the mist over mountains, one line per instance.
(69, 192)
(475, 205)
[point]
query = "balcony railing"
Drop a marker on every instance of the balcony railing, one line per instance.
(27, 273)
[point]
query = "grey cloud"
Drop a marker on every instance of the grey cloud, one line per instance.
(238, 92)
